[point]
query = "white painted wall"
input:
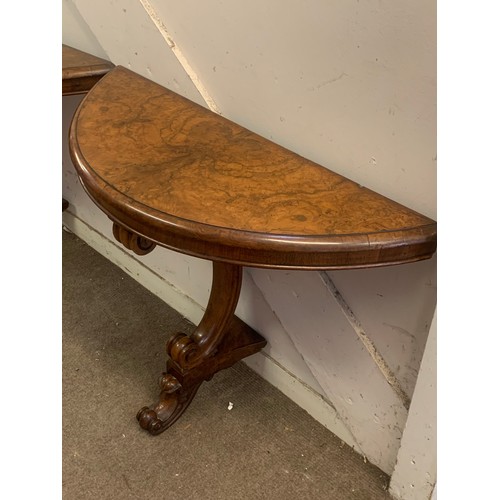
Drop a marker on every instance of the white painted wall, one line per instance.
(350, 85)
(75, 29)
(414, 476)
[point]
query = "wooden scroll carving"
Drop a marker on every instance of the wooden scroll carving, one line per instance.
(132, 241)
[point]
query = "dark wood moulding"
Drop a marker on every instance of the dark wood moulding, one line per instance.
(81, 71)
(169, 172)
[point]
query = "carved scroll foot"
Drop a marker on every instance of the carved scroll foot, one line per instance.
(219, 341)
(173, 401)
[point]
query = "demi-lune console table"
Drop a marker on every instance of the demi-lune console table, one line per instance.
(169, 172)
(80, 72)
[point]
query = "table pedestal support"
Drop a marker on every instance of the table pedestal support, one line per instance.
(219, 341)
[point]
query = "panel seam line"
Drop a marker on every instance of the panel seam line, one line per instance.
(180, 56)
(381, 363)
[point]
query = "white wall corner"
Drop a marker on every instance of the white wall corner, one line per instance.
(414, 475)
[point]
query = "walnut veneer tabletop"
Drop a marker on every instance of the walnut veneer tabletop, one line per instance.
(189, 179)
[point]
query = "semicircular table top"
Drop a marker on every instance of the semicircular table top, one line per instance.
(188, 179)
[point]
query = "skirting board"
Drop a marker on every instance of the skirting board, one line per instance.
(264, 365)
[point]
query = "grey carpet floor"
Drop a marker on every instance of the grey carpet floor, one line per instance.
(266, 447)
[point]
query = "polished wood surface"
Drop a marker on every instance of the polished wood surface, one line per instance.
(81, 71)
(169, 172)
(193, 181)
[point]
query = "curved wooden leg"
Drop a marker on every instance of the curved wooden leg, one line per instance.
(219, 341)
